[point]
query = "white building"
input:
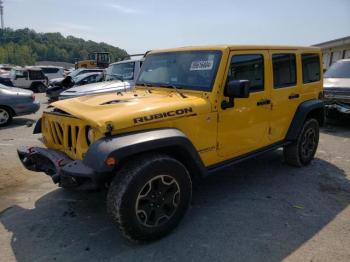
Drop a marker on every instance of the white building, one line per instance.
(334, 50)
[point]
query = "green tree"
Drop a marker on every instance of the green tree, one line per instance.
(25, 47)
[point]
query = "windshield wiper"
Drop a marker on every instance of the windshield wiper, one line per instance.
(175, 88)
(147, 85)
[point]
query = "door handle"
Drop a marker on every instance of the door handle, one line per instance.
(263, 102)
(293, 96)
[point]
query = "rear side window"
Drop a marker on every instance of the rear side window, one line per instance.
(248, 67)
(284, 70)
(311, 68)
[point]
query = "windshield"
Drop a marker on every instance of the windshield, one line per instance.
(75, 73)
(18, 73)
(194, 70)
(123, 71)
(80, 77)
(340, 69)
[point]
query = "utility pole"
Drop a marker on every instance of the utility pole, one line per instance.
(2, 13)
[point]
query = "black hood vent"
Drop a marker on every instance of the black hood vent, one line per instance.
(114, 102)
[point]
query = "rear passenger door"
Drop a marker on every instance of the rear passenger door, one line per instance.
(285, 91)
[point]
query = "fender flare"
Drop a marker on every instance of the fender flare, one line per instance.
(301, 114)
(170, 140)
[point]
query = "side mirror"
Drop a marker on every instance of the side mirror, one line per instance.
(235, 89)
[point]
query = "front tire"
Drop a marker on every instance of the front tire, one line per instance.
(149, 196)
(303, 150)
(5, 116)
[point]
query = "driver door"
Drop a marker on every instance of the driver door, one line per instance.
(245, 127)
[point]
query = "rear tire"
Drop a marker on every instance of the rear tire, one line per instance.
(149, 196)
(5, 116)
(303, 150)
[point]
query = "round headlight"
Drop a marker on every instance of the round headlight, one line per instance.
(90, 135)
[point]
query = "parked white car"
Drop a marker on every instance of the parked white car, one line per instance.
(31, 78)
(126, 70)
(52, 71)
(120, 76)
(73, 74)
(96, 88)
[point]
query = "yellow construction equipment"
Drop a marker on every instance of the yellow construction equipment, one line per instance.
(96, 60)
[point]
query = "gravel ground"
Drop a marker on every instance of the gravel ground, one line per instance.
(260, 210)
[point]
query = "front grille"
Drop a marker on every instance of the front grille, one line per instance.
(65, 134)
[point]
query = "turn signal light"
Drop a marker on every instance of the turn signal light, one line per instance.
(111, 161)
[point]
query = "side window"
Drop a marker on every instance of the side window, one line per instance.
(91, 79)
(36, 75)
(284, 70)
(248, 67)
(311, 68)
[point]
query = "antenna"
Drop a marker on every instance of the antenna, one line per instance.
(2, 13)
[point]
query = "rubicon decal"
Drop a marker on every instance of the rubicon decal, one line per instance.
(177, 112)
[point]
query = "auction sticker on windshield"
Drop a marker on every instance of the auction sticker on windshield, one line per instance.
(202, 65)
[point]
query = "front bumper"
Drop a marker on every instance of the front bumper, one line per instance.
(337, 99)
(340, 107)
(64, 171)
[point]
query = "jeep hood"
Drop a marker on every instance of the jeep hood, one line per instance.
(100, 87)
(123, 109)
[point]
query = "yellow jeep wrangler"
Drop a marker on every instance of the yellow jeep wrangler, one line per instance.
(193, 111)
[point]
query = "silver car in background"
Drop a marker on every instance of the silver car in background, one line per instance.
(16, 102)
(120, 76)
(96, 88)
(336, 85)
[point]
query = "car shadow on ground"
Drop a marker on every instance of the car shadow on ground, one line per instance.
(19, 121)
(259, 210)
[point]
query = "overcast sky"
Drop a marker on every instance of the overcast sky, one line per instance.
(137, 26)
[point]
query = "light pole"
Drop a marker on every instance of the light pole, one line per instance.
(2, 13)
